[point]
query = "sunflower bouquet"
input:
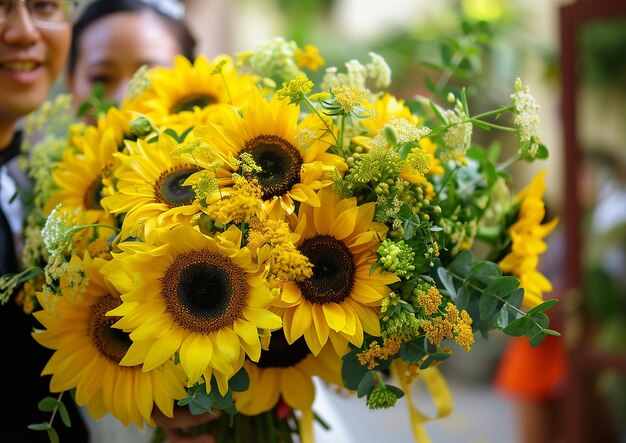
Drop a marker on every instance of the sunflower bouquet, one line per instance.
(234, 230)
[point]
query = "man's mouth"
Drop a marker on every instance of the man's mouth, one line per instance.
(19, 66)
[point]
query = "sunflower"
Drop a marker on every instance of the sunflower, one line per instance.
(285, 371)
(527, 243)
(198, 296)
(88, 351)
(189, 94)
(340, 301)
(292, 156)
(79, 176)
(150, 189)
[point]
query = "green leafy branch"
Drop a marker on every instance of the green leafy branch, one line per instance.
(494, 300)
(54, 406)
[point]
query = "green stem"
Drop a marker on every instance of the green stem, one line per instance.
(456, 60)
(446, 180)
(379, 379)
(508, 162)
(493, 112)
(312, 107)
(342, 127)
(230, 97)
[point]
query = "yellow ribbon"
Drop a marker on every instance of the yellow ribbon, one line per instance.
(438, 388)
(306, 426)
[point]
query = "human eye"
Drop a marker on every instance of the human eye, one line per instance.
(46, 8)
(101, 78)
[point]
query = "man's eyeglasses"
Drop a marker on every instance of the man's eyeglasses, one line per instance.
(43, 13)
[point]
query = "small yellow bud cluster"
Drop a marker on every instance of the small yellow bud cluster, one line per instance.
(349, 98)
(429, 300)
(450, 325)
(286, 263)
(244, 202)
(390, 347)
(299, 86)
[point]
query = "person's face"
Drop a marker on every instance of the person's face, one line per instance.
(30, 59)
(111, 49)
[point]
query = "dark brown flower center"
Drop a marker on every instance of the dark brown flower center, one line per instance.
(111, 342)
(169, 188)
(93, 195)
(189, 103)
(204, 291)
(281, 354)
(280, 164)
(333, 270)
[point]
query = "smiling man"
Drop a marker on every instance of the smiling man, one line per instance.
(34, 42)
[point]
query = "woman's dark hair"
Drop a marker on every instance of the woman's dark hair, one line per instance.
(101, 8)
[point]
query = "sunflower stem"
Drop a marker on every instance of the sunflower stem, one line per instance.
(271, 426)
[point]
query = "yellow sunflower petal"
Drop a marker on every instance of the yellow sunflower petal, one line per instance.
(335, 316)
(195, 353)
(297, 389)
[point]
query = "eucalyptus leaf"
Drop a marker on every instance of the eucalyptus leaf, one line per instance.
(65, 416)
(543, 306)
(52, 435)
(47, 404)
(352, 371)
(537, 339)
(411, 352)
(446, 280)
(366, 385)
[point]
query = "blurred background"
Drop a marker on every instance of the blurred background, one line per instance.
(573, 57)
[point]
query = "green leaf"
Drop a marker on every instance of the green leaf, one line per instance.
(399, 393)
(542, 153)
(485, 272)
(446, 54)
(537, 339)
(552, 332)
(65, 416)
(411, 352)
(39, 426)
(540, 318)
(487, 306)
(519, 327)
(464, 102)
(462, 264)
(52, 435)
(405, 212)
(352, 371)
(47, 404)
(366, 385)
(446, 280)
(405, 149)
(509, 313)
(240, 381)
(462, 299)
(543, 306)
(437, 112)
(171, 133)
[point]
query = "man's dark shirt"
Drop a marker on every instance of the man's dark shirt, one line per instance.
(22, 358)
